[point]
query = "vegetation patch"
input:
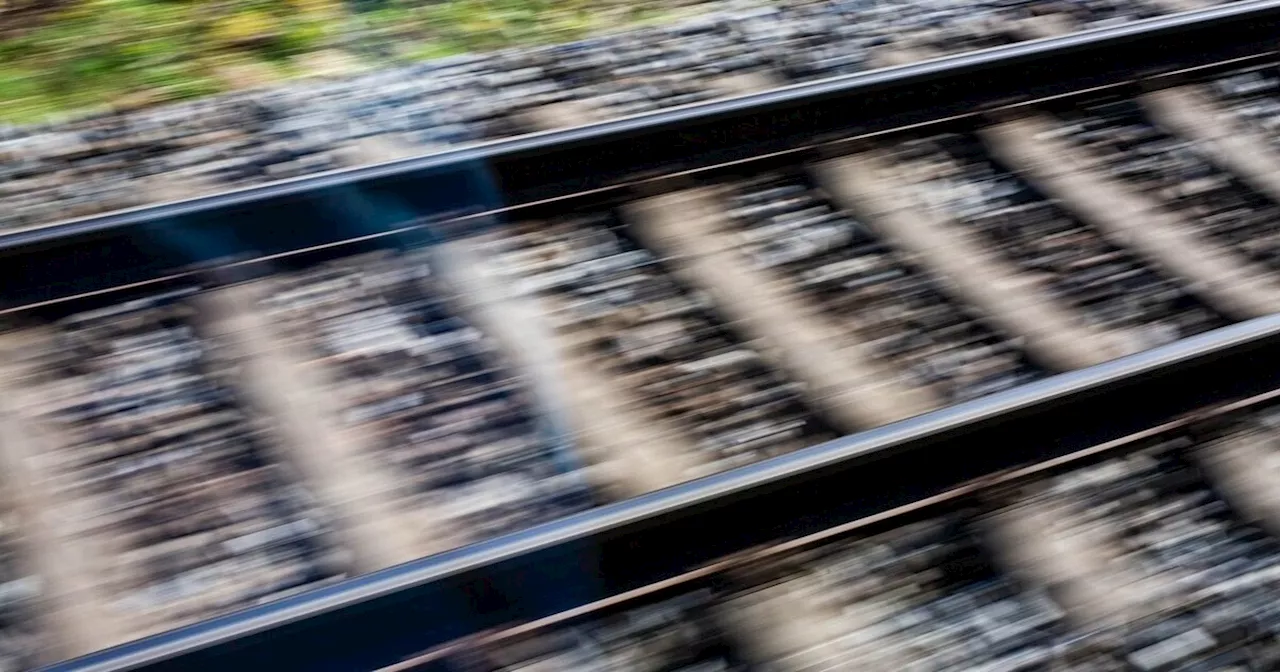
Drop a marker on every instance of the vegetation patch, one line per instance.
(73, 55)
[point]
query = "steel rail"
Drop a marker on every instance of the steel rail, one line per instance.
(578, 560)
(773, 552)
(549, 143)
(91, 254)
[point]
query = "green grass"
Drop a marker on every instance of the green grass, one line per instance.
(100, 52)
(95, 53)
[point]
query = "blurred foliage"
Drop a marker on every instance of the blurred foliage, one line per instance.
(71, 55)
(88, 53)
(479, 25)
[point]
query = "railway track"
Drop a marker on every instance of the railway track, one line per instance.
(938, 324)
(109, 160)
(903, 590)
